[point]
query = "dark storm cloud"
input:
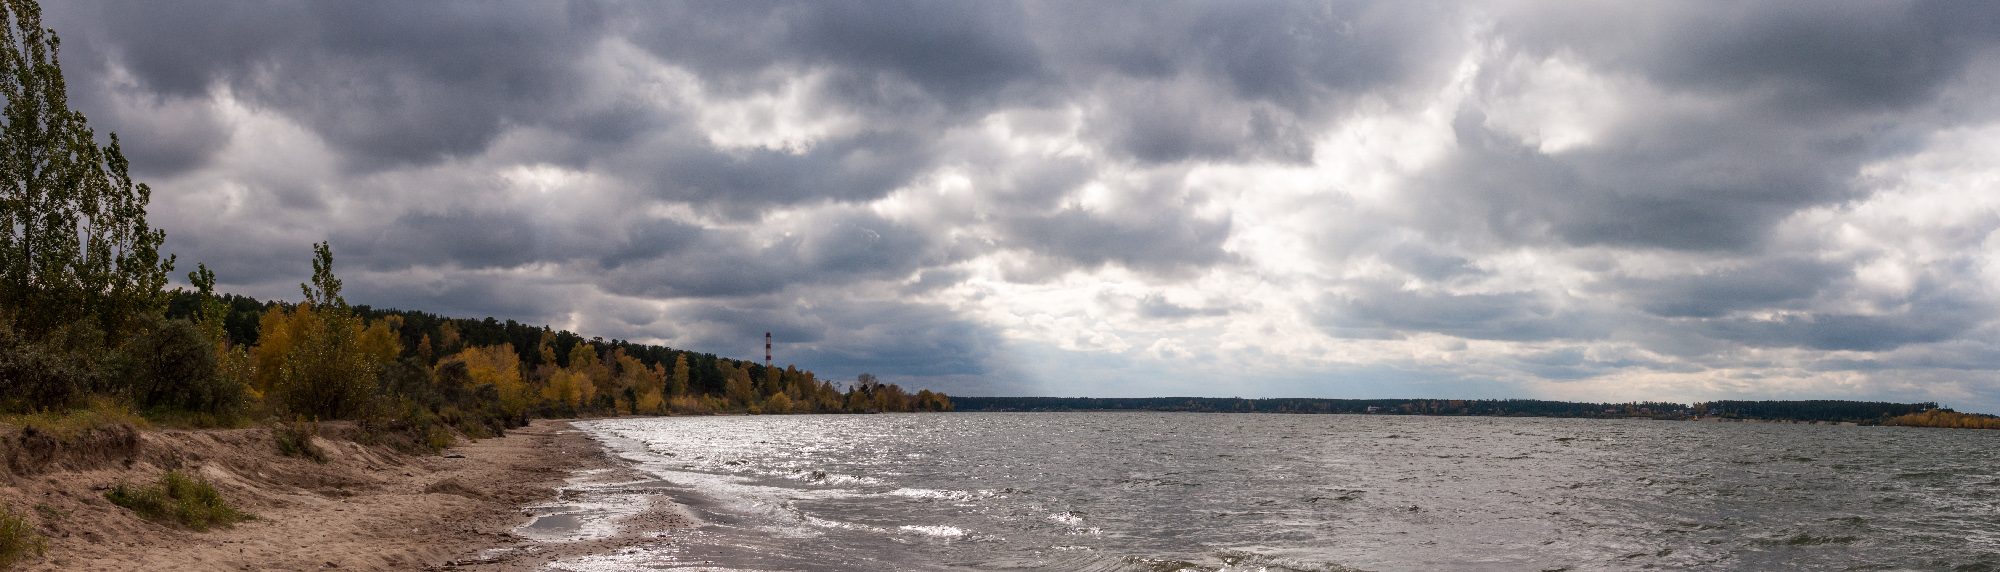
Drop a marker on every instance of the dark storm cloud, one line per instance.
(962, 54)
(1223, 80)
(1805, 58)
(472, 296)
(1734, 117)
(1159, 124)
(388, 82)
(906, 339)
(1428, 263)
(651, 240)
(1804, 94)
(1383, 311)
(1284, 52)
(828, 250)
(1931, 315)
(1767, 284)
(1699, 183)
(468, 240)
(1163, 244)
(858, 168)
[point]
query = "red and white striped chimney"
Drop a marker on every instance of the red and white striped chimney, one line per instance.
(767, 349)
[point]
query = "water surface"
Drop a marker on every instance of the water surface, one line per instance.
(1205, 491)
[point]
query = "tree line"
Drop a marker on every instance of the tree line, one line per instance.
(560, 373)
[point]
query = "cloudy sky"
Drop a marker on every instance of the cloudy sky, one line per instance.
(1564, 199)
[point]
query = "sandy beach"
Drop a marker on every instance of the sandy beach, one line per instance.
(367, 508)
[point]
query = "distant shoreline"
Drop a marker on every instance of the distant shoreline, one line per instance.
(1826, 412)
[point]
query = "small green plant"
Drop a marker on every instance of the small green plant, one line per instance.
(295, 439)
(178, 499)
(18, 539)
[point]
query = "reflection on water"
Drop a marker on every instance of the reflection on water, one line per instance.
(1173, 491)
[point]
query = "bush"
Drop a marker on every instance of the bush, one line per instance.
(295, 439)
(177, 499)
(170, 366)
(52, 373)
(429, 431)
(18, 540)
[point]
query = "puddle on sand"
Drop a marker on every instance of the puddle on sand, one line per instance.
(562, 524)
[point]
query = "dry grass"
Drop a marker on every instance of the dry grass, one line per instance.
(101, 413)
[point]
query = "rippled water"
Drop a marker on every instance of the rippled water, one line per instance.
(1168, 491)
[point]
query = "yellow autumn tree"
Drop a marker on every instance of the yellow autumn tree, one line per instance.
(680, 378)
(636, 382)
(278, 332)
(778, 404)
(737, 387)
(858, 401)
(589, 374)
(826, 398)
(500, 366)
(774, 381)
(567, 387)
(318, 358)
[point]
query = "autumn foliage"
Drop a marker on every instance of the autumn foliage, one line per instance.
(1946, 418)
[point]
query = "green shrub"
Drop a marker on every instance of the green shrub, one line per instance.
(426, 428)
(170, 366)
(18, 539)
(177, 499)
(295, 439)
(49, 373)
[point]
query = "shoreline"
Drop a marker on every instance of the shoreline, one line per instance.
(367, 508)
(600, 510)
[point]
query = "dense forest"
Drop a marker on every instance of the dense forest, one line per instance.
(608, 375)
(1860, 412)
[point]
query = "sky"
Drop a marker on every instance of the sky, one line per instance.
(1604, 201)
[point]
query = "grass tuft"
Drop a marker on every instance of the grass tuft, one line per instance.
(295, 439)
(18, 539)
(177, 499)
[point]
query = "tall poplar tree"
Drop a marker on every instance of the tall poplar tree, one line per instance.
(74, 244)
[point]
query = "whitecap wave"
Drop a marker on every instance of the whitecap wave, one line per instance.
(937, 530)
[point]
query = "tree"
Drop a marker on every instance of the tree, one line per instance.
(74, 243)
(232, 363)
(499, 367)
(589, 373)
(680, 378)
(321, 359)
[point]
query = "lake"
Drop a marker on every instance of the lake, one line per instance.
(1150, 491)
